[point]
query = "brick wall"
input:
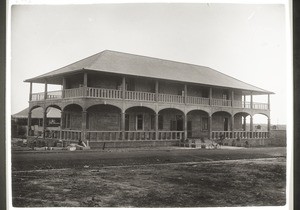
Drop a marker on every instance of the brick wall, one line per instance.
(104, 118)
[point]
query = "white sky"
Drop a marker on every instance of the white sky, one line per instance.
(244, 41)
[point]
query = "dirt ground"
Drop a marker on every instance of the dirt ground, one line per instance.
(150, 178)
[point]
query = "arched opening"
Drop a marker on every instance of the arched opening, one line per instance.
(139, 119)
(35, 122)
(260, 122)
(53, 116)
(240, 121)
(170, 119)
(221, 121)
(103, 117)
(72, 117)
(197, 124)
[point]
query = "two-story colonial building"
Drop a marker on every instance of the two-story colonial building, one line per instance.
(127, 99)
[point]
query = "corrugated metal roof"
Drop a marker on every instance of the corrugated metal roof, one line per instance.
(136, 65)
(38, 113)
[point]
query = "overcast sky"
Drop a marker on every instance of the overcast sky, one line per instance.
(244, 41)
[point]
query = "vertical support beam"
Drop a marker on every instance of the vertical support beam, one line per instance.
(232, 126)
(185, 125)
(156, 126)
(83, 125)
(156, 90)
(45, 91)
(29, 124)
(123, 125)
(185, 93)
(64, 86)
(251, 101)
(251, 126)
(44, 122)
(210, 96)
(210, 127)
(30, 92)
(244, 101)
(123, 88)
(232, 98)
(268, 101)
(62, 123)
(269, 126)
(85, 79)
(244, 123)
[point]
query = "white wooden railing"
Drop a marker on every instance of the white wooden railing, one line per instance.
(197, 100)
(103, 93)
(220, 102)
(70, 135)
(170, 98)
(139, 96)
(54, 94)
(240, 134)
(143, 96)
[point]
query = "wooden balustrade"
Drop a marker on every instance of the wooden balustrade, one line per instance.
(143, 96)
(170, 135)
(139, 135)
(38, 96)
(170, 98)
(71, 135)
(220, 102)
(54, 94)
(139, 96)
(263, 106)
(240, 134)
(103, 135)
(103, 93)
(197, 100)
(74, 92)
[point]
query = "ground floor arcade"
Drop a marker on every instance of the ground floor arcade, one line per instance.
(101, 122)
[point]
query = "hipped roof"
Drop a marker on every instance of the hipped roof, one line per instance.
(38, 113)
(136, 65)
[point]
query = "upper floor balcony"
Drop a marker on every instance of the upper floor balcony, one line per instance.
(114, 94)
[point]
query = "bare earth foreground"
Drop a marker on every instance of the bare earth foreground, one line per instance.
(170, 177)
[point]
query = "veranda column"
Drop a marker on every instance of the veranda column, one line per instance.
(251, 126)
(29, 124)
(30, 92)
(269, 126)
(232, 126)
(210, 96)
(268, 101)
(244, 123)
(44, 122)
(251, 101)
(244, 101)
(85, 83)
(185, 126)
(156, 126)
(83, 125)
(210, 127)
(45, 91)
(62, 123)
(185, 94)
(156, 90)
(123, 125)
(232, 98)
(64, 86)
(123, 89)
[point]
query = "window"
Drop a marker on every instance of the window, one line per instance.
(204, 123)
(139, 122)
(160, 122)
